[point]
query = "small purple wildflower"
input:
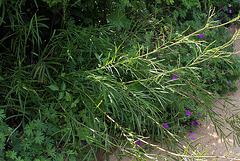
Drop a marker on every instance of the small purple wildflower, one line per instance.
(190, 135)
(188, 112)
(193, 138)
(230, 11)
(201, 35)
(210, 59)
(195, 132)
(229, 83)
(195, 123)
(223, 8)
(178, 91)
(138, 143)
(174, 76)
(165, 125)
(199, 115)
(191, 132)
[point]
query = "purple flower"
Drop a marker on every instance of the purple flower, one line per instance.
(199, 115)
(195, 132)
(229, 83)
(201, 35)
(165, 125)
(193, 138)
(188, 112)
(174, 76)
(191, 132)
(138, 143)
(230, 11)
(223, 8)
(210, 59)
(195, 123)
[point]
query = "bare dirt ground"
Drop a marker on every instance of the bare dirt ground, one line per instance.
(209, 139)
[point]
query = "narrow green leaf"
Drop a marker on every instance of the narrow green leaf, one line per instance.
(53, 87)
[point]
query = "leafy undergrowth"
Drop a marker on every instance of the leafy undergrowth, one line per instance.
(73, 83)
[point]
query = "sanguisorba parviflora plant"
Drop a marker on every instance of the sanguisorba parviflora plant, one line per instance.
(84, 88)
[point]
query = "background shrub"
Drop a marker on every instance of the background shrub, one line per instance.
(81, 76)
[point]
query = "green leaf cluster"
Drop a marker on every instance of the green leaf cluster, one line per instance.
(80, 76)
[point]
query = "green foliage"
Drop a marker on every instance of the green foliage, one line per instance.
(79, 76)
(52, 3)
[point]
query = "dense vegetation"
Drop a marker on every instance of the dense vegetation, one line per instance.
(80, 76)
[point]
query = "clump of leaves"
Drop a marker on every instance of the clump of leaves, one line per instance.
(80, 88)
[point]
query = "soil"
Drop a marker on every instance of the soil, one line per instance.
(206, 133)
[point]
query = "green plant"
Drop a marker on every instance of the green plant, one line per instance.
(71, 86)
